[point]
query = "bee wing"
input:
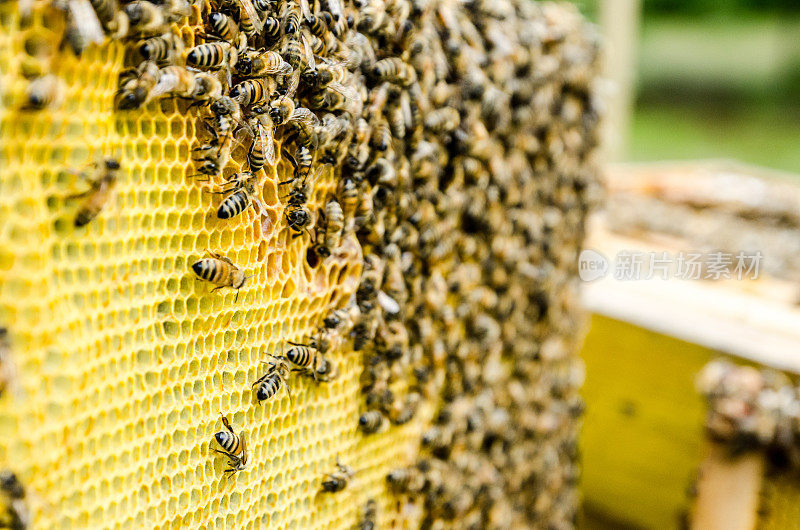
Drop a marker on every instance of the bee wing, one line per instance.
(85, 19)
(268, 132)
(294, 82)
(306, 9)
(335, 7)
(252, 14)
(349, 93)
(309, 55)
(304, 115)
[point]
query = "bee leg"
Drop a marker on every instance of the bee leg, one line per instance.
(288, 391)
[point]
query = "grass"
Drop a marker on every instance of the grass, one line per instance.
(768, 137)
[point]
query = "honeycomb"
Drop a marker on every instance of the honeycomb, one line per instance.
(124, 360)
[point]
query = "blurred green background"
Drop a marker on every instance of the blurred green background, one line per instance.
(716, 79)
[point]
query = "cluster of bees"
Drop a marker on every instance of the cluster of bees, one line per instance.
(461, 136)
(750, 409)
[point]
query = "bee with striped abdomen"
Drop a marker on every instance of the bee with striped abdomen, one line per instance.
(338, 480)
(406, 480)
(442, 120)
(291, 14)
(146, 18)
(371, 421)
(162, 48)
(249, 19)
(277, 375)
(102, 185)
(213, 55)
(253, 91)
(220, 271)
(243, 192)
(233, 446)
(223, 26)
(136, 86)
(298, 54)
(260, 64)
(395, 71)
(334, 226)
(262, 151)
(302, 355)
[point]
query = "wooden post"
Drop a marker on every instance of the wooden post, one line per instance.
(727, 490)
(619, 20)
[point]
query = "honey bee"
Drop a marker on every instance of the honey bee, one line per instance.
(298, 54)
(299, 219)
(406, 480)
(212, 157)
(349, 199)
(325, 371)
(442, 120)
(44, 92)
(277, 375)
(110, 17)
(16, 515)
(304, 356)
(262, 151)
(146, 18)
(365, 327)
(369, 516)
(243, 193)
(249, 19)
(394, 70)
(319, 24)
(372, 17)
(281, 109)
(337, 13)
(220, 271)
(223, 26)
(324, 74)
(371, 421)
(226, 113)
(403, 412)
(177, 81)
(341, 318)
(253, 91)
(305, 124)
(83, 27)
(272, 29)
(213, 56)
(334, 226)
(260, 64)
(337, 481)
(98, 193)
(264, 6)
(383, 173)
(161, 48)
(233, 446)
(136, 86)
(291, 17)
(301, 162)
(381, 136)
